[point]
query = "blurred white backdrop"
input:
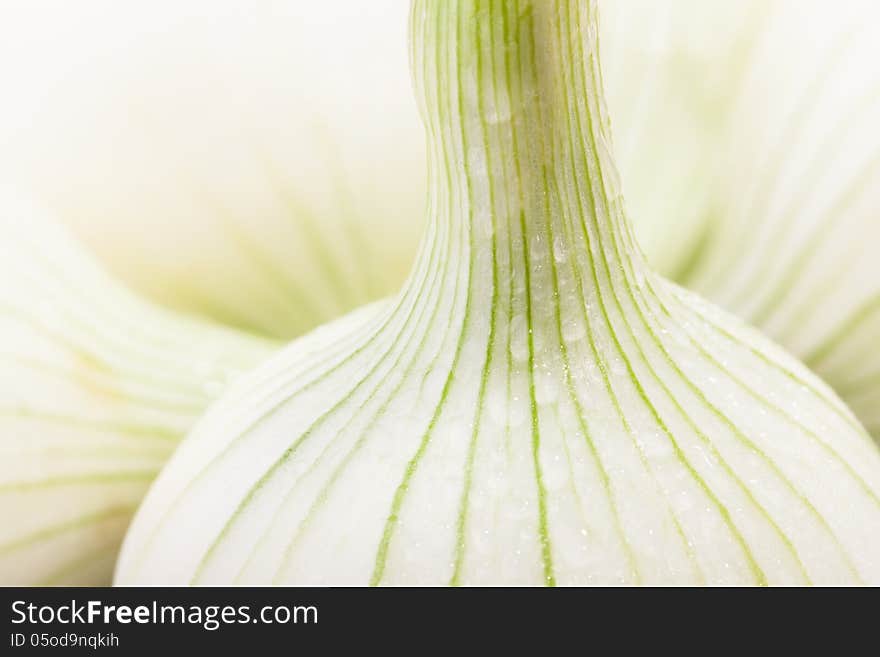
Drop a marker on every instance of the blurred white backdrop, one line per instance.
(260, 162)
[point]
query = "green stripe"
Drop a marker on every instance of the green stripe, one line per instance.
(95, 479)
(66, 527)
(412, 466)
(90, 424)
(461, 523)
(856, 320)
(757, 572)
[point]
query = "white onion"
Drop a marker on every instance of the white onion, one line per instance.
(537, 406)
(96, 388)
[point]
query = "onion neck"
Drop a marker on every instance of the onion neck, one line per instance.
(519, 138)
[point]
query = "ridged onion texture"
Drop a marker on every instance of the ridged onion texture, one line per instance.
(536, 406)
(96, 389)
(791, 218)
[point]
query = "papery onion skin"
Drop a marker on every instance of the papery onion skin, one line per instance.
(537, 406)
(96, 389)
